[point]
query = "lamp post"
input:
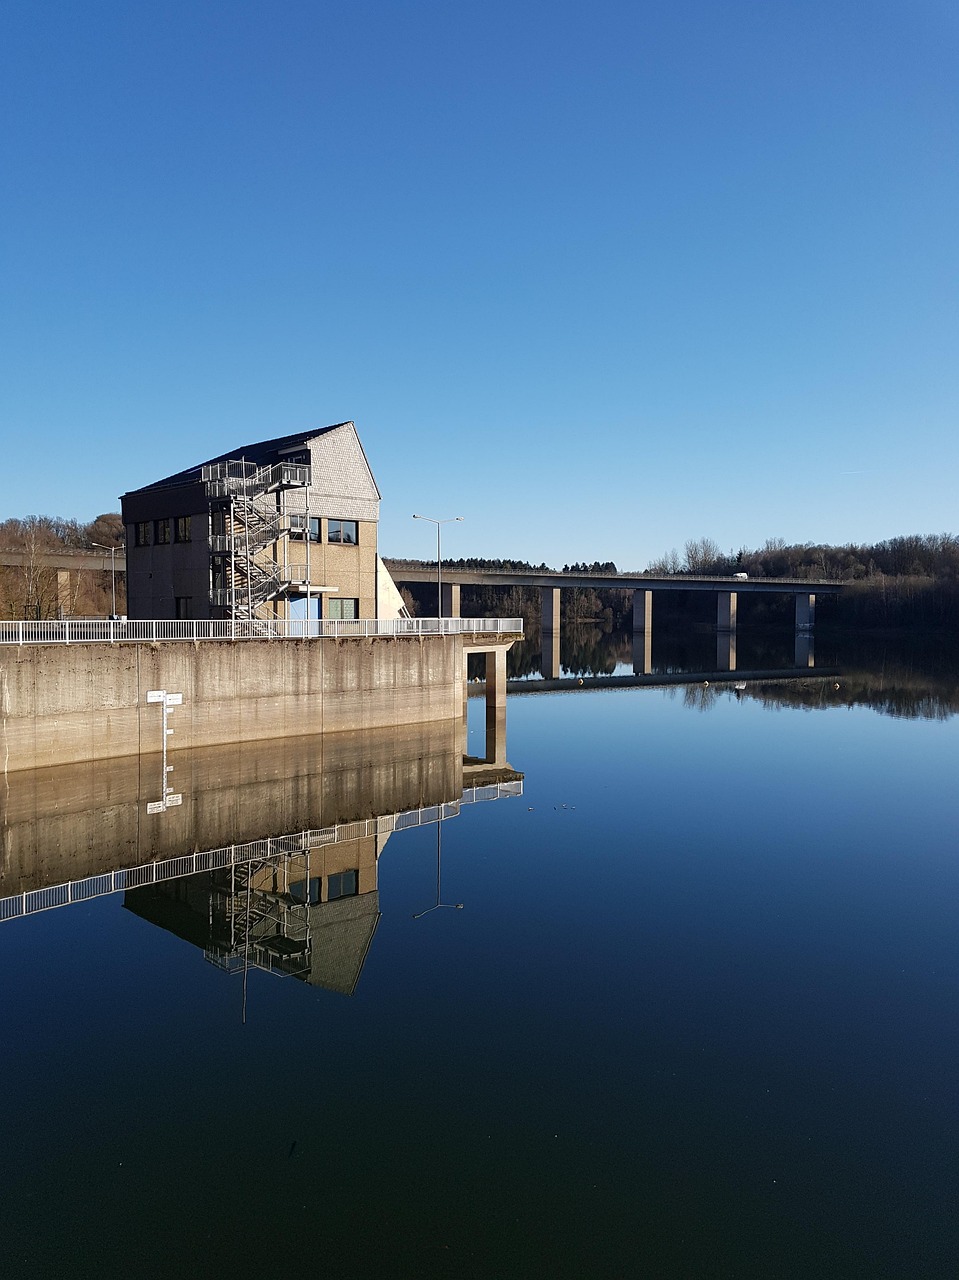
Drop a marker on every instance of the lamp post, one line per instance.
(439, 562)
(457, 906)
(113, 572)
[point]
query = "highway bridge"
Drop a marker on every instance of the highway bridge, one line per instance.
(642, 586)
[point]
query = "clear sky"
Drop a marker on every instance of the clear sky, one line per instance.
(599, 277)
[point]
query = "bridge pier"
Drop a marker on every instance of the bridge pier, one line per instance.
(805, 611)
(496, 705)
(64, 599)
(726, 602)
(805, 649)
(550, 597)
(725, 650)
(642, 632)
(450, 600)
(549, 662)
(551, 601)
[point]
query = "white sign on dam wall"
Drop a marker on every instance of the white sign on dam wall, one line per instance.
(61, 704)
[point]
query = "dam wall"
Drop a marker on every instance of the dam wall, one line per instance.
(64, 704)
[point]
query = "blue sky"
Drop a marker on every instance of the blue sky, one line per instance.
(599, 278)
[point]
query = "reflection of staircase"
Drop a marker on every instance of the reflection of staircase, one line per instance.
(253, 528)
(266, 930)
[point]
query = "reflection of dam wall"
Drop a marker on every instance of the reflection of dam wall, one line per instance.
(78, 820)
(60, 704)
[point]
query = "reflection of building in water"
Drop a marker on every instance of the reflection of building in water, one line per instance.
(271, 860)
(309, 915)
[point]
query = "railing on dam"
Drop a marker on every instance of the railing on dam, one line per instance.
(146, 631)
(191, 864)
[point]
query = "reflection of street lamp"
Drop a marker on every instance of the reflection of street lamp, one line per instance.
(458, 906)
(439, 563)
(113, 572)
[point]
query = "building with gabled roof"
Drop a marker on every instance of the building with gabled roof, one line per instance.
(280, 529)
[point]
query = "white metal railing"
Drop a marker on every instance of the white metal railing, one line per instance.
(223, 478)
(191, 864)
(145, 631)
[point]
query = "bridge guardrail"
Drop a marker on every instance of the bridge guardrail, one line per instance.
(146, 631)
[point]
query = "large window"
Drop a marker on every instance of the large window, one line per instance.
(343, 531)
(162, 532)
(183, 529)
(298, 527)
(342, 607)
(344, 884)
(143, 533)
(303, 891)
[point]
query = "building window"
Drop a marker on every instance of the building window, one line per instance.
(298, 527)
(162, 532)
(300, 891)
(342, 607)
(183, 529)
(183, 606)
(218, 521)
(343, 531)
(142, 534)
(344, 884)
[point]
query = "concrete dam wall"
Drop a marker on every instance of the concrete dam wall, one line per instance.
(63, 704)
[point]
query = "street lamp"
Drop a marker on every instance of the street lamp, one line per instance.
(439, 562)
(113, 572)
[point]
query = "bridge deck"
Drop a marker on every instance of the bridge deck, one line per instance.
(620, 581)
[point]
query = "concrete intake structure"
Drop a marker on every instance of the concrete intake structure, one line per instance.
(63, 704)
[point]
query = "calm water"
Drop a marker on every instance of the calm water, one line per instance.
(696, 1017)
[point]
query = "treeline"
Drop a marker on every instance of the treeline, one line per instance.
(33, 589)
(933, 555)
(907, 582)
(581, 604)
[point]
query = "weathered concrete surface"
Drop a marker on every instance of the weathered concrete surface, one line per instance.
(79, 820)
(61, 704)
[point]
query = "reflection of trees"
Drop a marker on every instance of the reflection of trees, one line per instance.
(700, 697)
(908, 677)
(584, 651)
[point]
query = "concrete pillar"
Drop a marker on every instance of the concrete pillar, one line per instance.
(549, 663)
(725, 650)
(450, 607)
(496, 705)
(550, 597)
(64, 601)
(726, 610)
(805, 649)
(642, 633)
(805, 611)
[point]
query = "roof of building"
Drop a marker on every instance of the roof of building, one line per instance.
(262, 452)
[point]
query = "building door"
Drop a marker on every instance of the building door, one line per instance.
(301, 622)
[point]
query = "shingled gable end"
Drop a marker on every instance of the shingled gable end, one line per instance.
(281, 529)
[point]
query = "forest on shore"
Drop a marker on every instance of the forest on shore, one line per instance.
(31, 589)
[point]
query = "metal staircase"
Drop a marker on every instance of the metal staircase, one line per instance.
(253, 529)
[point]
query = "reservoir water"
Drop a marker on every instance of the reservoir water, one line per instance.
(675, 995)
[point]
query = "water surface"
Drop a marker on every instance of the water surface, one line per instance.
(696, 1015)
